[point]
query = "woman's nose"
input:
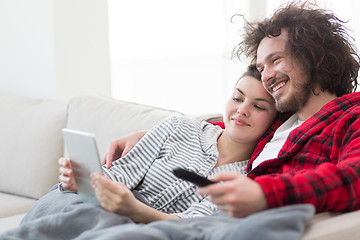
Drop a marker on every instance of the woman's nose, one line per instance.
(243, 109)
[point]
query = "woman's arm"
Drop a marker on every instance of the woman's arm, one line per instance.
(117, 198)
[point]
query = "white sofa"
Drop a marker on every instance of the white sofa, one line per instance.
(31, 144)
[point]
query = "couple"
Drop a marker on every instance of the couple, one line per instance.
(182, 142)
(177, 142)
(309, 66)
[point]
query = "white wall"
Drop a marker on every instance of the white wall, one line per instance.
(81, 48)
(27, 62)
(54, 48)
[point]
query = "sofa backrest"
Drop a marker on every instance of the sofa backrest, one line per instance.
(31, 143)
(110, 119)
(31, 139)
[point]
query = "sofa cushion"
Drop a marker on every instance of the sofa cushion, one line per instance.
(13, 205)
(10, 222)
(31, 144)
(110, 119)
(334, 226)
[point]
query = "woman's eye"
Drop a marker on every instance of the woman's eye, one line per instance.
(259, 108)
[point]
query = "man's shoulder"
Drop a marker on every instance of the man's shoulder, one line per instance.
(351, 100)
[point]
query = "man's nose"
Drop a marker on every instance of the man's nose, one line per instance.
(267, 75)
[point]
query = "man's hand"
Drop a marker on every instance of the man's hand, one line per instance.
(67, 175)
(236, 195)
(120, 147)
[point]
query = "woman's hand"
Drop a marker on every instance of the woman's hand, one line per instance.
(120, 147)
(236, 195)
(114, 196)
(67, 175)
(117, 198)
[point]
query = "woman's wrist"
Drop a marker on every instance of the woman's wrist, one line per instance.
(146, 214)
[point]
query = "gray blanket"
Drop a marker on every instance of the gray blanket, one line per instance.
(63, 216)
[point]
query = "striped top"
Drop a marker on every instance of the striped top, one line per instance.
(176, 142)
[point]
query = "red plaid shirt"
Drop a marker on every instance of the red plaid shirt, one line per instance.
(319, 162)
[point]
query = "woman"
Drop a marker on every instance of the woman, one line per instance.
(182, 142)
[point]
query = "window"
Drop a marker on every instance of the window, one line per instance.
(177, 54)
(171, 54)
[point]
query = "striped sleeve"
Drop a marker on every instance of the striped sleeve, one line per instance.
(131, 168)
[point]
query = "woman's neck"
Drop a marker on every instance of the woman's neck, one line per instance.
(231, 151)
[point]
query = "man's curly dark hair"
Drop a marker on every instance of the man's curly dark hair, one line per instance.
(318, 39)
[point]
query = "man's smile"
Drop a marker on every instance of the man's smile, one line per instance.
(278, 86)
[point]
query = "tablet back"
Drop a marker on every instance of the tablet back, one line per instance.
(81, 149)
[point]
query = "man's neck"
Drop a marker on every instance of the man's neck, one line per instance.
(314, 104)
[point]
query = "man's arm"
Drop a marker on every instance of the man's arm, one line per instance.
(120, 147)
(333, 185)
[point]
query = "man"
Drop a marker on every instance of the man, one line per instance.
(310, 67)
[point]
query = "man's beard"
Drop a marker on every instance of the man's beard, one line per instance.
(297, 98)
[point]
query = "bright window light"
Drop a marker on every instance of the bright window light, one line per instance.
(177, 54)
(171, 54)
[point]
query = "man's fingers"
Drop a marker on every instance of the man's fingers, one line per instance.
(127, 149)
(212, 189)
(109, 152)
(221, 187)
(103, 159)
(226, 176)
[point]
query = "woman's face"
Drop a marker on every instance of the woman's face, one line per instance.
(250, 111)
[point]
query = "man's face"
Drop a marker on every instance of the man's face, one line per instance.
(282, 75)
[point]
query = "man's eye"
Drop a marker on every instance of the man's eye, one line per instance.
(237, 99)
(275, 59)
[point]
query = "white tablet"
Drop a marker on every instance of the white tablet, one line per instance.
(81, 149)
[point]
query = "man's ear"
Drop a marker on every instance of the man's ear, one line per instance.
(320, 62)
(321, 59)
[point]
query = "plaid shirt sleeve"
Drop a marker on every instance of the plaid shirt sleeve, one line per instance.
(320, 161)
